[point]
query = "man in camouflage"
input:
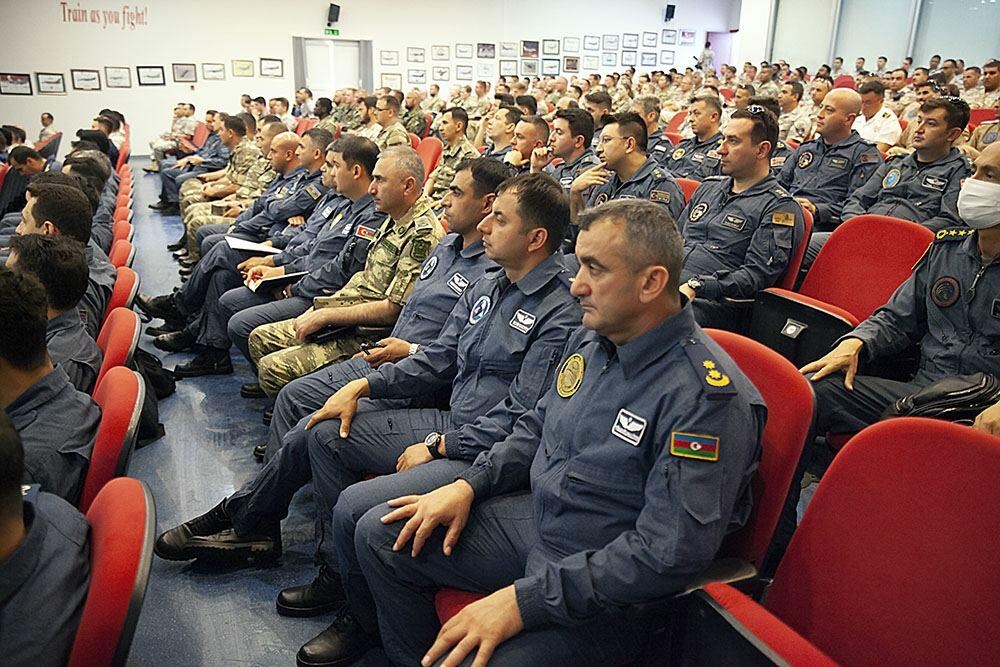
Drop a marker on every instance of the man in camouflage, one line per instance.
(415, 118)
(386, 112)
(243, 153)
(283, 351)
(456, 148)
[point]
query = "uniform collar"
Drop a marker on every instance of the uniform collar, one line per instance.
(762, 185)
(583, 156)
(39, 393)
(18, 567)
(361, 203)
(712, 139)
(953, 155)
(420, 207)
(472, 250)
(64, 321)
(540, 276)
(644, 351)
(642, 172)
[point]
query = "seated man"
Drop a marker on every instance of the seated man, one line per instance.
(183, 127)
(948, 306)
(626, 505)
(457, 149)
(598, 105)
(794, 123)
(211, 156)
(47, 129)
(876, 122)
(568, 153)
(824, 172)
(922, 186)
(386, 114)
(237, 135)
(44, 564)
(92, 173)
(530, 133)
(499, 126)
(658, 146)
(60, 265)
(56, 422)
(284, 350)
(698, 156)
(739, 229)
(28, 162)
(279, 107)
(625, 171)
(62, 210)
(458, 261)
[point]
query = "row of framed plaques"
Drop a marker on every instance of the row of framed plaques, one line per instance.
(54, 83)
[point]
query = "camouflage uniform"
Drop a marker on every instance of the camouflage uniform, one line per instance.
(392, 267)
(444, 173)
(794, 125)
(394, 135)
(241, 159)
(329, 124)
(984, 134)
(349, 117)
(258, 176)
(415, 121)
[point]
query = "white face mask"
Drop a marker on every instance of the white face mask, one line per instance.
(979, 203)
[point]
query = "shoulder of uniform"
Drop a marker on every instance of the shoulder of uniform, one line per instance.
(425, 222)
(952, 234)
(781, 192)
(710, 179)
(715, 381)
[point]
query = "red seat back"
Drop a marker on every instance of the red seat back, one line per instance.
(122, 229)
(123, 523)
(124, 291)
(977, 116)
(123, 213)
(430, 150)
(675, 137)
(120, 398)
(857, 274)
(688, 186)
(117, 340)
(4, 168)
(414, 140)
(844, 81)
(790, 404)
(123, 154)
(49, 147)
(727, 93)
(428, 121)
(675, 122)
(302, 126)
(200, 135)
(903, 124)
(892, 561)
(787, 280)
(122, 253)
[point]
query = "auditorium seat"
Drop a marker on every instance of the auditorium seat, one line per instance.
(49, 147)
(428, 121)
(790, 401)
(430, 150)
(302, 126)
(675, 137)
(123, 524)
(851, 277)
(123, 213)
(727, 93)
(675, 122)
(845, 81)
(117, 340)
(122, 229)
(688, 186)
(122, 253)
(120, 399)
(124, 291)
(197, 140)
(414, 140)
(890, 563)
(977, 116)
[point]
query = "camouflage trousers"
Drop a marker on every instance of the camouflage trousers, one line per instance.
(196, 217)
(280, 357)
(190, 194)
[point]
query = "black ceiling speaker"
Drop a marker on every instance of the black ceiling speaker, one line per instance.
(668, 13)
(334, 14)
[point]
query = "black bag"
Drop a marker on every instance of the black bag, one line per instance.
(160, 383)
(959, 398)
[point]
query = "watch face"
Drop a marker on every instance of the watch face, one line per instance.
(432, 439)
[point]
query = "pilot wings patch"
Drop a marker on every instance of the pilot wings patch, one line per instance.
(629, 427)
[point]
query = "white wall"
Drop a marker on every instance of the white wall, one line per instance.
(750, 43)
(793, 16)
(186, 31)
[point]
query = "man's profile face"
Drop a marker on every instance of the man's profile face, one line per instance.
(932, 130)
(389, 186)
(504, 235)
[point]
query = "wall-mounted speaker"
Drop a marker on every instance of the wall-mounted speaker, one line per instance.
(668, 13)
(334, 15)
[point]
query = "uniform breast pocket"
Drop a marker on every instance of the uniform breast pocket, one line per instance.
(505, 368)
(384, 254)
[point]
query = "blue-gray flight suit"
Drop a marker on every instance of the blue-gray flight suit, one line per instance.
(650, 181)
(57, 425)
(100, 283)
(216, 156)
(342, 231)
(638, 460)
(950, 305)
(566, 172)
(696, 159)
(73, 350)
(736, 244)
(659, 147)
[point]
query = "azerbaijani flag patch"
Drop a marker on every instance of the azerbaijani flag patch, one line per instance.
(692, 446)
(313, 192)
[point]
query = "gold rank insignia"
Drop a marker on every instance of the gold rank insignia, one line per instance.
(783, 218)
(715, 377)
(677, 154)
(571, 376)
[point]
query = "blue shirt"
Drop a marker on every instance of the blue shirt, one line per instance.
(72, 349)
(696, 159)
(650, 181)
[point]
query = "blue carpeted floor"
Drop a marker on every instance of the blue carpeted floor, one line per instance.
(195, 614)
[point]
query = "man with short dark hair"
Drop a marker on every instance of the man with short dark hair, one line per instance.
(386, 114)
(47, 129)
(26, 161)
(60, 265)
(898, 95)
(279, 107)
(697, 157)
(243, 155)
(625, 171)
(740, 229)
(44, 564)
(991, 83)
(794, 123)
(568, 153)
(530, 133)
(598, 105)
(303, 103)
(876, 123)
(658, 146)
(457, 148)
(922, 186)
(56, 422)
(210, 156)
(62, 210)
(499, 126)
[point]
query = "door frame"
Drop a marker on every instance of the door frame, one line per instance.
(366, 70)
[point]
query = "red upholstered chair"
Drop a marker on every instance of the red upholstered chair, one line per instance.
(977, 116)
(4, 168)
(787, 281)
(120, 398)
(675, 137)
(123, 524)
(50, 146)
(727, 93)
(124, 291)
(428, 121)
(200, 135)
(675, 122)
(302, 126)
(845, 81)
(890, 561)
(117, 340)
(688, 186)
(123, 213)
(414, 140)
(123, 200)
(124, 153)
(122, 229)
(903, 124)
(430, 150)
(852, 276)
(122, 253)
(790, 401)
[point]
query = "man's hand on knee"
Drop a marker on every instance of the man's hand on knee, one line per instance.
(844, 358)
(342, 405)
(446, 506)
(482, 626)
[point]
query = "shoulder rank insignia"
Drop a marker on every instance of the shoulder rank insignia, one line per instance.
(953, 233)
(783, 218)
(660, 196)
(715, 377)
(693, 446)
(420, 249)
(570, 376)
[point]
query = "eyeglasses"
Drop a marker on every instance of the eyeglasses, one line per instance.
(755, 109)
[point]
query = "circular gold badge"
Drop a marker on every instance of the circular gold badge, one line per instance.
(570, 376)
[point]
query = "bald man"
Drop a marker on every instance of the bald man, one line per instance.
(822, 173)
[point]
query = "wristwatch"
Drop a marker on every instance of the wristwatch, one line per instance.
(694, 284)
(433, 440)
(414, 348)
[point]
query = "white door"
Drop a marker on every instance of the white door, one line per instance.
(331, 64)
